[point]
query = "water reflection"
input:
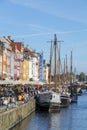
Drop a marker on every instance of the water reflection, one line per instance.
(72, 118)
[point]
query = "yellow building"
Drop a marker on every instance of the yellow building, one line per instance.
(33, 64)
(25, 69)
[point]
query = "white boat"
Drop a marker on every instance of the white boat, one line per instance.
(48, 100)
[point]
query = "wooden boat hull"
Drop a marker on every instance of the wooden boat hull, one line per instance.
(65, 101)
(47, 101)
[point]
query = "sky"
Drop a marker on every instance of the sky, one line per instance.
(34, 22)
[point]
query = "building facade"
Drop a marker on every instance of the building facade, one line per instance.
(45, 71)
(17, 56)
(21, 63)
(41, 66)
(32, 58)
(1, 55)
(6, 58)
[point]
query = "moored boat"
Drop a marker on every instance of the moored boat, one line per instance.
(65, 100)
(49, 101)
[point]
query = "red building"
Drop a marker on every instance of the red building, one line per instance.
(17, 49)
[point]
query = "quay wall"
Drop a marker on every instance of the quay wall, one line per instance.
(10, 118)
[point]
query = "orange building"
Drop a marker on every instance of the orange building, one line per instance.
(1, 52)
(6, 73)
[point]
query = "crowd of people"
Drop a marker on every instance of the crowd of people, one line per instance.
(13, 97)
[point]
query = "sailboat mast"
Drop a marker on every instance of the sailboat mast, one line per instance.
(66, 70)
(62, 78)
(74, 74)
(71, 70)
(56, 65)
(55, 69)
(50, 65)
(59, 68)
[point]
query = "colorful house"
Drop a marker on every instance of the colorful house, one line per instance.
(17, 58)
(6, 58)
(45, 71)
(41, 66)
(33, 59)
(1, 54)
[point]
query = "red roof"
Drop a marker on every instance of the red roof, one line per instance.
(16, 45)
(31, 53)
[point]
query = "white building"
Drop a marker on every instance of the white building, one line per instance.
(45, 71)
(35, 69)
(33, 59)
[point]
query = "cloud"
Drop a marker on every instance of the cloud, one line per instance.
(27, 3)
(50, 33)
(70, 10)
(40, 28)
(32, 35)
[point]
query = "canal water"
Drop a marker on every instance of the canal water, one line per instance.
(72, 118)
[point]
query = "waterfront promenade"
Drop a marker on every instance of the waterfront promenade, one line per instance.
(15, 105)
(11, 117)
(3, 108)
(73, 117)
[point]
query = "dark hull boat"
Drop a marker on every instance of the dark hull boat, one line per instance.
(65, 101)
(74, 98)
(49, 101)
(74, 95)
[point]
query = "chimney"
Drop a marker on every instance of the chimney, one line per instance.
(44, 62)
(9, 37)
(4, 37)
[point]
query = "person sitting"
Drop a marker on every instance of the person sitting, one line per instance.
(20, 98)
(5, 102)
(13, 101)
